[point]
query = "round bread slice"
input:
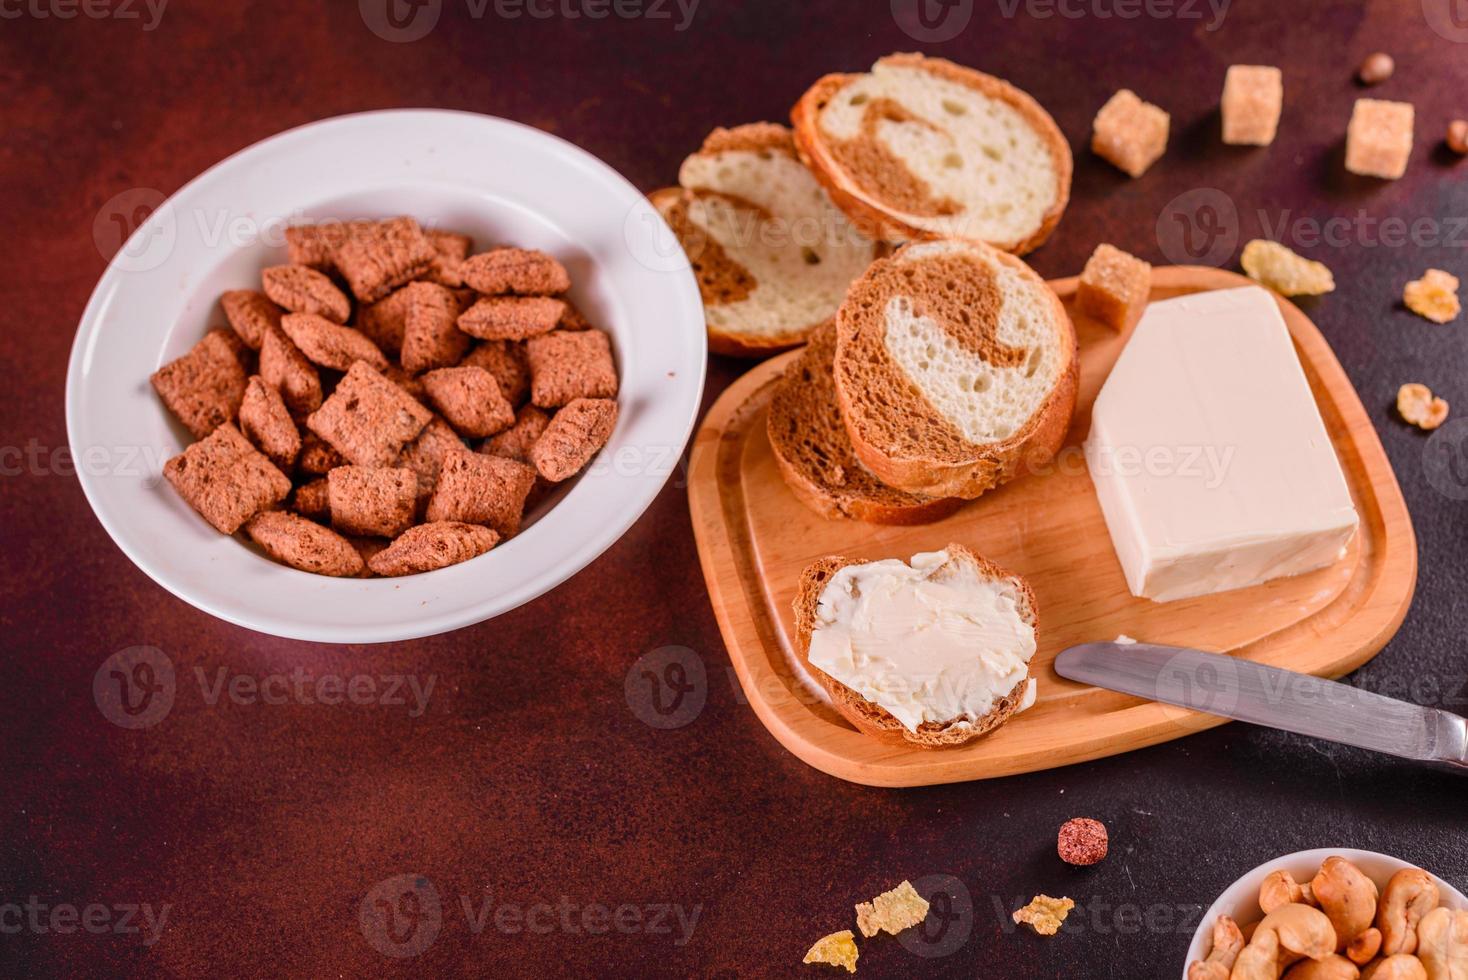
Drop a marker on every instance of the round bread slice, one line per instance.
(772, 254)
(922, 148)
(955, 367)
(814, 453)
(871, 718)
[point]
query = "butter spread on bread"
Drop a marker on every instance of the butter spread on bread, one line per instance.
(955, 367)
(931, 652)
(922, 148)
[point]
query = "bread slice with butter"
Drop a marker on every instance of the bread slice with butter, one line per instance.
(772, 254)
(929, 654)
(814, 453)
(922, 148)
(955, 367)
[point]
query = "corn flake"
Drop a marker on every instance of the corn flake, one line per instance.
(837, 949)
(1283, 271)
(892, 911)
(1434, 296)
(1045, 914)
(1417, 404)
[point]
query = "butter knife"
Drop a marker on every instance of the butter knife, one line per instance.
(1275, 698)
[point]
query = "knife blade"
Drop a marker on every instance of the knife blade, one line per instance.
(1240, 689)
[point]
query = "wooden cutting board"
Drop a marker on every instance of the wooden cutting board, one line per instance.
(754, 538)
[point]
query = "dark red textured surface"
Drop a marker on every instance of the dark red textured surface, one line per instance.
(530, 778)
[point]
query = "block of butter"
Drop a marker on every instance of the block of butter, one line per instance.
(1211, 462)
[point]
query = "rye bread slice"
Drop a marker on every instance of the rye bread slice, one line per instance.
(872, 719)
(814, 452)
(772, 253)
(955, 369)
(922, 148)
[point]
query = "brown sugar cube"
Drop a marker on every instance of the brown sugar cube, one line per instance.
(430, 546)
(368, 419)
(328, 344)
(1114, 287)
(226, 479)
(425, 454)
(1253, 96)
(292, 540)
(250, 315)
(266, 422)
(312, 500)
(575, 434)
(372, 502)
(314, 245)
(566, 366)
(515, 442)
(511, 317)
(1379, 138)
(573, 318)
(1130, 133)
(385, 321)
(380, 257)
(479, 489)
(301, 289)
(526, 271)
(469, 398)
(508, 362)
(317, 457)
(430, 337)
(286, 369)
(203, 389)
(452, 249)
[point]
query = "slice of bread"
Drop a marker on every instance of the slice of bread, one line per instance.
(871, 718)
(922, 148)
(811, 446)
(772, 254)
(955, 366)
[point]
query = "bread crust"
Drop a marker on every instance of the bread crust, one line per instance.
(979, 468)
(872, 719)
(883, 225)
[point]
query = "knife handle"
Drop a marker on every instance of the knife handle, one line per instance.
(1450, 742)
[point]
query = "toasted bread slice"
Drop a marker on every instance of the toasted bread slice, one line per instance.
(956, 565)
(955, 366)
(815, 455)
(922, 148)
(773, 255)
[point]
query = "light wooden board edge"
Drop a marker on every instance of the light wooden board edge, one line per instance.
(738, 605)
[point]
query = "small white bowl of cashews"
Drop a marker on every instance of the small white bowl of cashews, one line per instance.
(1333, 914)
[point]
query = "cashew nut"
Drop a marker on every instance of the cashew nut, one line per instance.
(1331, 968)
(1347, 896)
(1399, 966)
(1260, 959)
(1410, 894)
(1280, 888)
(1302, 929)
(1442, 944)
(1227, 941)
(1364, 947)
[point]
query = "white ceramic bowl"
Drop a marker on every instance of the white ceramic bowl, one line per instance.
(496, 180)
(1241, 899)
